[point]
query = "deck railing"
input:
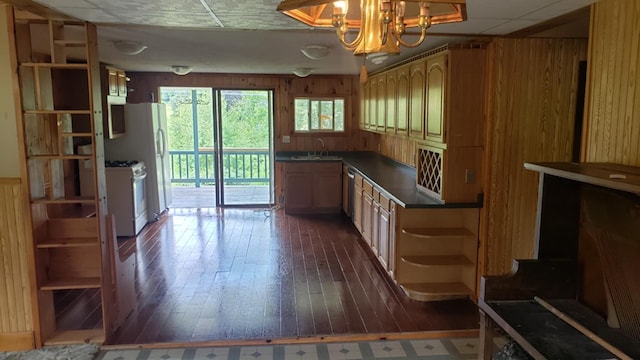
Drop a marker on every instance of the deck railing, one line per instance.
(240, 166)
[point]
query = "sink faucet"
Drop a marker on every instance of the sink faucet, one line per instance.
(323, 148)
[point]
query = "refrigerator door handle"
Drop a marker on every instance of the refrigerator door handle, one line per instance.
(161, 142)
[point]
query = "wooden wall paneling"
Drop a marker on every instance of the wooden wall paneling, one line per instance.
(612, 126)
(532, 107)
(15, 292)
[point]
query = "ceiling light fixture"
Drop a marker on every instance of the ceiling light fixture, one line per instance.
(129, 47)
(381, 24)
(316, 52)
(302, 72)
(180, 69)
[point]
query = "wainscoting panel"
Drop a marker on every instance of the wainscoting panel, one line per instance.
(612, 127)
(16, 320)
(531, 107)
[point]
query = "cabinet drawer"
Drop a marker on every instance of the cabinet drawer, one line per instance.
(384, 201)
(367, 187)
(358, 180)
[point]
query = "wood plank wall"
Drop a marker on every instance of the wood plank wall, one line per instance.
(16, 317)
(285, 89)
(531, 108)
(612, 126)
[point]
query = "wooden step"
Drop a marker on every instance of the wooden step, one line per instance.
(69, 284)
(68, 242)
(70, 337)
(430, 233)
(437, 260)
(436, 291)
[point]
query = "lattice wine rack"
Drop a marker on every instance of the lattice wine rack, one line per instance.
(430, 171)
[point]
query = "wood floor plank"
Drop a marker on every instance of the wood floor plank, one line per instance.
(238, 274)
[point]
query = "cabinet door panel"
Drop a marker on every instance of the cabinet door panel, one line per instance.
(383, 238)
(327, 191)
(357, 207)
(402, 100)
(435, 98)
(299, 192)
(391, 96)
(416, 100)
(381, 111)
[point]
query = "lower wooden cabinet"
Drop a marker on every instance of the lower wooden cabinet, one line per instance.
(313, 187)
(431, 253)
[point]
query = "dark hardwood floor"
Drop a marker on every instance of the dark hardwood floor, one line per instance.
(238, 274)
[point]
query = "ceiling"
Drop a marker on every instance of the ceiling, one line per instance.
(250, 36)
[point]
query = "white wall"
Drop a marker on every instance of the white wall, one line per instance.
(9, 158)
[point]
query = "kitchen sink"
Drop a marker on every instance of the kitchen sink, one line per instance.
(316, 157)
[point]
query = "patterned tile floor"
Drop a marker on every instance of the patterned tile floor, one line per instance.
(430, 349)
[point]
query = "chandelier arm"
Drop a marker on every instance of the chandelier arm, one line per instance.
(423, 34)
(352, 45)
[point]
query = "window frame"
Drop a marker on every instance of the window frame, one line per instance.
(319, 100)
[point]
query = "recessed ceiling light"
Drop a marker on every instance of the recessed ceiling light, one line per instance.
(302, 72)
(129, 47)
(315, 52)
(180, 69)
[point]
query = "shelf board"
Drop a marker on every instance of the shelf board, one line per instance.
(70, 337)
(437, 260)
(61, 157)
(70, 43)
(83, 200)
(58, 112)
(436, 291)
(68, 284)
(429, 233)
(56, 65)
(77, 134)
(68, 242)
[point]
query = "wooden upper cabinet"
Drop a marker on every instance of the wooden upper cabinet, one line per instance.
(416, 99)
(391, 99)
(112, 81)
(116, 81)
(381, 93)
(402, 100)
(438, 98)
(436, 81)
(371, 121)
(364, 106)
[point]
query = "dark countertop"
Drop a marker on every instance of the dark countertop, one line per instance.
(393, 178)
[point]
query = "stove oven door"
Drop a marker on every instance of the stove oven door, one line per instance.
(139, 200)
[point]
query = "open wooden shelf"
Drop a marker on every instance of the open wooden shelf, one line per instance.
(69, 284)
(429, 233)
(75, 200)
(437, 260)
(68, 242)
(70, 43)
(55, 65)
(61, 112)
(70, 337)
(436, 291)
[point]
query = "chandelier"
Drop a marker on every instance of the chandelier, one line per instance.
(382, 24)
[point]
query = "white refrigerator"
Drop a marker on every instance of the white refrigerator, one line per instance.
(145, 139)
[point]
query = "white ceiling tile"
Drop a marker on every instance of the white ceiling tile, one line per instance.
(509, 27)
(557, 9)
(66, 3)
(92, 15)
(470, 26)
(166, 18)
(504, 9)
(142, 6)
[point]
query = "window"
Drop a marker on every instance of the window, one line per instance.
(315, 115)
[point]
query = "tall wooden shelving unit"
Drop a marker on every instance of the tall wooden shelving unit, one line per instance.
(61, 108)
